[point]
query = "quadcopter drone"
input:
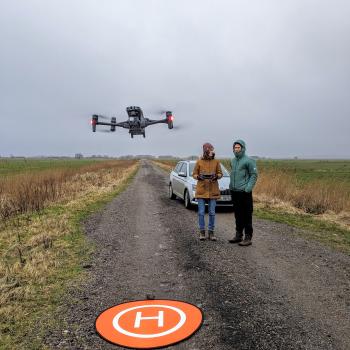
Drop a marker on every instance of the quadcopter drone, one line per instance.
(136, 122)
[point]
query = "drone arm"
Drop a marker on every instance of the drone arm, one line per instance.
(124, 125)
(152, 122)
(103, 123)
(121, 124)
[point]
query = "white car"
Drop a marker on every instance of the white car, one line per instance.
(183, 185)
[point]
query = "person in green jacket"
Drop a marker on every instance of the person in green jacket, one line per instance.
(243, 178)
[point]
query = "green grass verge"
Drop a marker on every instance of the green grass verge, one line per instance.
(322, 231)
(40, 309)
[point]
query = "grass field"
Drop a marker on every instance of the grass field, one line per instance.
(43, 248)
(29, 185)
(310, 170)
(14, 166)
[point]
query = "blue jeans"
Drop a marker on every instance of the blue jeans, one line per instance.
(201, 213)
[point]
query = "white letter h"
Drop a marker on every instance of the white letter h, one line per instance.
(160, 319)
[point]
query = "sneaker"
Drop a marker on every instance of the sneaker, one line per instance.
(202, 235)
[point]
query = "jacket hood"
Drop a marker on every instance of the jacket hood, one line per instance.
(242, 152)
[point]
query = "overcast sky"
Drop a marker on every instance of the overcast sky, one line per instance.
(274, 73)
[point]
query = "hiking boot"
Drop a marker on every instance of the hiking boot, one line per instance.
(211, 235)
(236, 239)
(202, 235)
(246, 242)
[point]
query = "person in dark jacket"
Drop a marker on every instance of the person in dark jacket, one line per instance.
(207, 171)
(243, 178)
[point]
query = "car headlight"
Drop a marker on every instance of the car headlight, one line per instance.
(194, 188)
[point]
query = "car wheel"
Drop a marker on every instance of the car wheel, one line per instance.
(171, 193)
(188, 204)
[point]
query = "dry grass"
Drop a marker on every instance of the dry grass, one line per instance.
(166, 165)
(28, 192)
(35, 247)
(315, 197)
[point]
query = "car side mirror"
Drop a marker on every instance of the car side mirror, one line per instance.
(182, 174)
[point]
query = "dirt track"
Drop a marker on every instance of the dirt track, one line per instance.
(281, 293)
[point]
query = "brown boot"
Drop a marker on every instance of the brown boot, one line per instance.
(246, 242)
(236, 239)
(202, 235)
(211, 235)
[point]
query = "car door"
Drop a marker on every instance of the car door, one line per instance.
(176, 179)
(182, 179)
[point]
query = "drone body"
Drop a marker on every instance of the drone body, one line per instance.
(136, 122)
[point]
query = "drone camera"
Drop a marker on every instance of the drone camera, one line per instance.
(134, 111)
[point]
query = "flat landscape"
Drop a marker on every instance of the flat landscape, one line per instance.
(106, 232)
(100, 246)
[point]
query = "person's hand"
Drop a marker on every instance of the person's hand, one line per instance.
(214, 177)
(200, 177)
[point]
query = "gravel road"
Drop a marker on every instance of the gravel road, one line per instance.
(283, 292)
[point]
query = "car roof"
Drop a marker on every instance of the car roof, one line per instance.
(194, 161)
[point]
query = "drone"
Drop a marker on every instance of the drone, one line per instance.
(136, 122)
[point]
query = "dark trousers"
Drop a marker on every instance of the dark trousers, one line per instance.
(243, 208)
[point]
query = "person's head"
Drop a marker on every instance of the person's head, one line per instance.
(208, 151)
(238, 148)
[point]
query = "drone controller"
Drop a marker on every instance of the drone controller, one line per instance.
(207, 176)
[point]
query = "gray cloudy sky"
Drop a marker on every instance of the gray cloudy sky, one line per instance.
(274, 73)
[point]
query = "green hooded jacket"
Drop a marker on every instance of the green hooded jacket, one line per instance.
(243, 171)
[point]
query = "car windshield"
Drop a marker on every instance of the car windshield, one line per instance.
(224, 170)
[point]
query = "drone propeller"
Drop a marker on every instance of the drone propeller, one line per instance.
(159, 111)
(103, 117)
(100, 117)
(182, 126)
(104, 130)
(183, 107)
